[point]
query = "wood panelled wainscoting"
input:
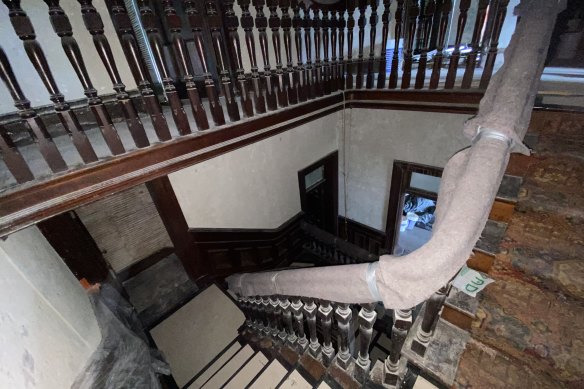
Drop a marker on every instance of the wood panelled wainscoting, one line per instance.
(362, 236)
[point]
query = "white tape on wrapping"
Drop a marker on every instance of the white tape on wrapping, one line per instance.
(372, 280)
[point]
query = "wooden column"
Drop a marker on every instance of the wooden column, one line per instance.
(123, 26)
(94, 24)
(31, 120)
(382, 72)
(13, 159)
(402, 322)
(299, 80)
(494, 44)
(455, 57)
(317, 72)
(439, 57)
(25, 31)
(431, 314)
(310, 80)
(258, 81)
(63, 29)
(367, 316)
(471, 61)
(409, 34)
(372, 34)
(261, 23)
(350, 27)
(232, 23)
(426, 28)
(343, 315)
(394, 74)
(302, 342)
(215, 25)
(310, 309)
(325, 314)
(362, 4)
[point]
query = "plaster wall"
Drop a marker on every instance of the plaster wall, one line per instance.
(47, 326)
(63, 73)
(255, 186)
(374, 139)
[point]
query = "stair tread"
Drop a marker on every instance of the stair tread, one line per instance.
(422, 383)
(509, 188)
(218, 364)
(248, 372)
(295, 381)
(491, 237)
(230, 368)
(324, 385)
(270, 378)
(462, 302)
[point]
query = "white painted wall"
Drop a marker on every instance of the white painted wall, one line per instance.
(51, 44)
(374, 139)
(255, 186)
(47, 326)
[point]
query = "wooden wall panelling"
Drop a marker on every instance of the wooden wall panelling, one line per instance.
(361, 235)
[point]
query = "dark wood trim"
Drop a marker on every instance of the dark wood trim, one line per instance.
(439, 96)
(144, 264)
(361, 235)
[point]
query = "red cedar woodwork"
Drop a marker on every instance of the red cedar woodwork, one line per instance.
(471, 61)
(350, 69)
(281, 84)
(94, 25)
(455, 57)
(123, 26)
(409, 34)
(183, 63)
(341, 62)
(258, 80)
(381, 74)
(362, 5)
(25, 31)
(494, 45)
(426, 28)
(231, 23)
(62, 28)
(261, 23)
(399, 15)
(439, 57)
(310, 80)
(35, 126)
(290, 73)
(372, 33)
(317, 71)
(178, 113)
(326, 65)
(299, 78)
(13, 159)
(195, 20)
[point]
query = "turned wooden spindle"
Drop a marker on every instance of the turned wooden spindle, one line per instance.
(310, 80)
(310, 308)
(317, 72)
(342, 24)
(471, 61)
(381, 73)
(258, 81)
(94, 24)
(14, 161)
(63, 29)
(274, 24)
(326, 66)
(431, 314)
(439, 57)
(243, 304)
(261, 23)
(25, 31)
(367, 316)
(32, 121)
(343, 314)
(409, 35)
(361, 22)
(372, 34)
(402, 322)
(232, 23)
(299, 80)
(334, 23)
(296, 307)
(289, 71)
(325, 314)
(494, 44)
(123, 25)
(394, 72)
(286, 307)
(455, 57)
(425, 30)
(350, 68)
(268, 315)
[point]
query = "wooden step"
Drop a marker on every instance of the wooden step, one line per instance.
(230, 368)
(248, 372)
(217, 364)
(270, 377)
(295, 381)
(460, 309)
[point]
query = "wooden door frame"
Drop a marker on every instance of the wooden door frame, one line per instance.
(331, 174)
(400, 178)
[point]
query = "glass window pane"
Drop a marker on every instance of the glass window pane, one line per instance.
(425, 182)
(314, 177)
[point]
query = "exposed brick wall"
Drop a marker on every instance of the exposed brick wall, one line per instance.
(530, 327)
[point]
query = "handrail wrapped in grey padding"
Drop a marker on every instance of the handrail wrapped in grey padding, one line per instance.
(470, 180)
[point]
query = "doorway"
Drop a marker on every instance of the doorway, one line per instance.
(318, 184)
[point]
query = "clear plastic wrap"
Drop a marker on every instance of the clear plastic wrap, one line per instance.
(124, 358)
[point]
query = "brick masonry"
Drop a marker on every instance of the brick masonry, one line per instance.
(529, 331)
